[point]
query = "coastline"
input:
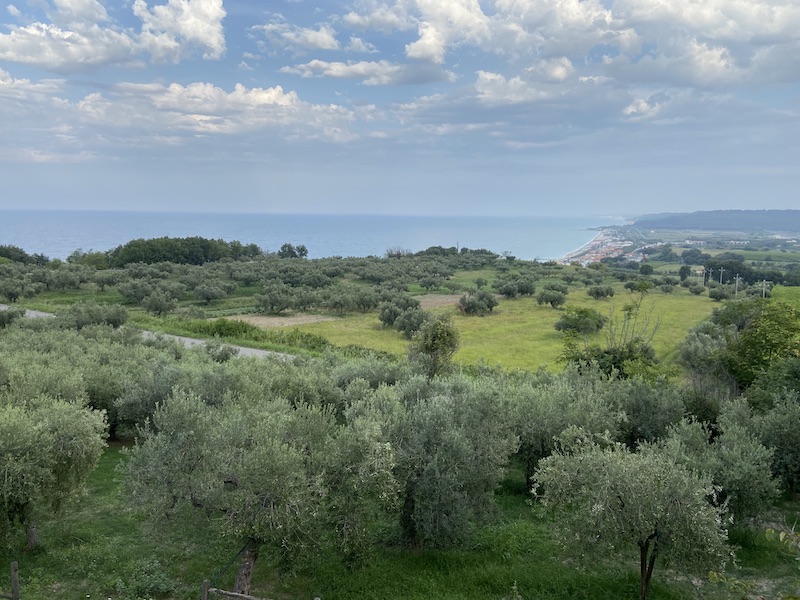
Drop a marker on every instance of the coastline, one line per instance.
(582, 250)
(606, 244)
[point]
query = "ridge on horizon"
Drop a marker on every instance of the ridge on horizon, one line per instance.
(724, 220)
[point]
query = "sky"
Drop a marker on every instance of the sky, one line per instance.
(503, 107)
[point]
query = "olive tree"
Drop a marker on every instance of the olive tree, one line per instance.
(453, 440)
(434, 345)
(735, 460)
(609, 500)
(541, 412)
(285, 480)
(47, 449)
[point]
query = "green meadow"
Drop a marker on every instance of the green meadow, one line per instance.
(519, 333)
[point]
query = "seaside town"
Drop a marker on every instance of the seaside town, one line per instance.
(606, 244)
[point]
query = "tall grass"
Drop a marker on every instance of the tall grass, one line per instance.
(519, 333)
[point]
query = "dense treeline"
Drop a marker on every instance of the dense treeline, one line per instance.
(191, 251)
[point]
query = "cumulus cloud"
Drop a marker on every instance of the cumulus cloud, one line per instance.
(356, 44)
(536, 72)
(553, 69)
(168, 30)
(64, 51)
(641, 109)
(714, 43)
(80, 35)
(494, 88)
(379, 16)
(68, 12)
(686, 62)
(13, 88)
(293, 38)
(370, 72)
(202, 107)
(445, 23)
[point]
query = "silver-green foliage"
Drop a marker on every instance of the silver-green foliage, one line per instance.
(289, 479)
(608, 500)
(736, 461)
(452, 440)
(540, 412)
(778, 428)
(48, 447)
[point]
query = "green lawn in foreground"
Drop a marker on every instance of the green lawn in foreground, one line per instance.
(100, 550)
(520, 334)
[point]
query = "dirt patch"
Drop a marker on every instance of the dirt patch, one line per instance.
(436, 300)
(426, 301)
(287, 321)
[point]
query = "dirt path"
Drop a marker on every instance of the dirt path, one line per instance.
(437, 300)
(31, 314)
(287, 321)
(186, 341)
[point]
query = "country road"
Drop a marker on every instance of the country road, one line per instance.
(186, 341)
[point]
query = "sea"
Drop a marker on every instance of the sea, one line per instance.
(57, 234)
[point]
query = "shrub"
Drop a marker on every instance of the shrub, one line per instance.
(478, 303)
(600, 291)
(580, 320)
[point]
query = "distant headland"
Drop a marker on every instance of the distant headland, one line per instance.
(723, 220)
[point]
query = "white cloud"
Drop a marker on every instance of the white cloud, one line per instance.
(494, 88)
(64, 51)
(731, 20)
(552, 69)
(685, 42)
(13, 11)
(68, 12)
(444, 23)
(208, 109)
(356, 44)
(430, 45)
(686, 62)
(80, 35)
(641, 109)
(379, 16)
(169, 30)
(11, 87)
(370, 72)
(293, 38)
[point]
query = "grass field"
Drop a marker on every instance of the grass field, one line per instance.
(520, 334)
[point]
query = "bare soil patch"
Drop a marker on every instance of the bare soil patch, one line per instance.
(436, 300)
(426, 301)
(287, 321)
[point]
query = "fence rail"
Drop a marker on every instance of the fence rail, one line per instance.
(14, 595)
(207, 589)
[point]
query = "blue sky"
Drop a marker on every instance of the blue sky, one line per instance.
(509, 107)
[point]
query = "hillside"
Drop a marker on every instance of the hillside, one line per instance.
(724, 220)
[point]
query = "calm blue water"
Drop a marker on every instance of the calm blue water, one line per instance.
(58, 233)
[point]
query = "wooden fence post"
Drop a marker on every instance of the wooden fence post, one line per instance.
(14, 581)
(204, 589)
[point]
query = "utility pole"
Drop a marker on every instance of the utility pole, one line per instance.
(721, 271)
(736, 281)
